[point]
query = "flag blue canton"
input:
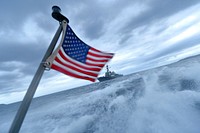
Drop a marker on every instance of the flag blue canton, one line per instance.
(74, 47)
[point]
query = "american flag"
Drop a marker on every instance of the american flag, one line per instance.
(77, 59)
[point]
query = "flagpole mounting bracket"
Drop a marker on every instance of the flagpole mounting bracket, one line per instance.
(46, 66)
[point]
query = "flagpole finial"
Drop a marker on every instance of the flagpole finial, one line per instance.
(57, 15)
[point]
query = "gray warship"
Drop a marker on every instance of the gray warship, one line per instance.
(109, 75)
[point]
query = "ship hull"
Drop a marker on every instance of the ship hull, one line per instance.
(107, 78)
(104, 79)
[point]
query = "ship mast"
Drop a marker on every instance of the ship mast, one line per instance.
(107, 68)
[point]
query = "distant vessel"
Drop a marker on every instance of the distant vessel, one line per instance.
(109, 75)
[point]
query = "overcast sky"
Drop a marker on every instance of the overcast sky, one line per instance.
(142, 33)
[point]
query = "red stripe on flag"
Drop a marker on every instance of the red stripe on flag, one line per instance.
(71, 74)
(91, 64)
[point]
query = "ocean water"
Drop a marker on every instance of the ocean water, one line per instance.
(160, 100)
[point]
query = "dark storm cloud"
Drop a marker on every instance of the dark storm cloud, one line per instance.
(23, 53)
(18, 61)
(156, 10)
(183, 44)
(7, 82)
(93, 16)
(13, 13)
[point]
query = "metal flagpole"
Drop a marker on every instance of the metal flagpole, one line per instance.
(19, 118)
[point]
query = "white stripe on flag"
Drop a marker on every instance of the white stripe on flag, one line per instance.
(100, 53)
(93, 62)
(97, 58)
